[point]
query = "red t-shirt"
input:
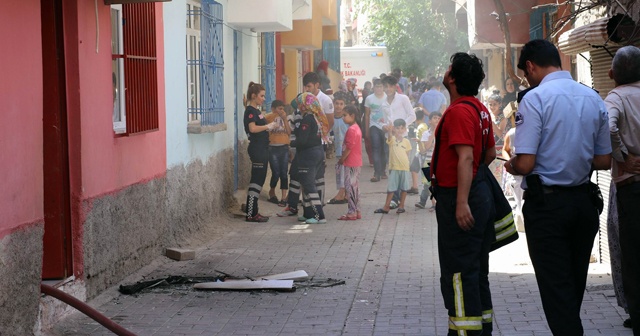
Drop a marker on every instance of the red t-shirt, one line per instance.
(460, 126)
(353, 142)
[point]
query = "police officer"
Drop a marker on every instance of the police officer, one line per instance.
(562, 135)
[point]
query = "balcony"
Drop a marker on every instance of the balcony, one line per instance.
(261, 15)
(306, 34)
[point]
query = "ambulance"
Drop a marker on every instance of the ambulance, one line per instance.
(363, 63)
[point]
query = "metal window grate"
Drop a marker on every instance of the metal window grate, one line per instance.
(140, 67)
(209, 63)
(331, 53)
(268, 68)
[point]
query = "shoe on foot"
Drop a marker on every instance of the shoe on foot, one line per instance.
(627, 323)
(315, 221)
(412, 191)
(400, 210)
(384, 177)
(375, 179)
(257, 219)
(420, 205)
(393, 205)
(302, 219)
(287, 212)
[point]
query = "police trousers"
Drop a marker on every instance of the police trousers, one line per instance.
(560, 230)
(259, 155)
(310, 171)
(464, 260)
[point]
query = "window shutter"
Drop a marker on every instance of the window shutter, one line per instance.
(140, 67)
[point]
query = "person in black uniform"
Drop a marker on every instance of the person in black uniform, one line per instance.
(258, 132)
(310, 155)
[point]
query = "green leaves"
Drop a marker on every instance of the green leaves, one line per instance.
(419, 40)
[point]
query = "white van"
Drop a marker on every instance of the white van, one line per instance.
(363, 63)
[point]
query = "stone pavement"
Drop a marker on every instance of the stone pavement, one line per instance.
(389, 264)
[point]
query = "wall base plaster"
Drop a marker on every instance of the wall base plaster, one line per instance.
(20, 271)
(189, 206)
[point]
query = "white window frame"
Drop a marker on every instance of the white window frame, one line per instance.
(193, 44)
(117, 48)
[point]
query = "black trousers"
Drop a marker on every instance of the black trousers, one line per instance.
(294, 184)
(310, 165)
(560, 233)
(259, 155)
(629, 217)
(464, 260)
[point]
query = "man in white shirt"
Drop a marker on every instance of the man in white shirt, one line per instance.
(397, 106)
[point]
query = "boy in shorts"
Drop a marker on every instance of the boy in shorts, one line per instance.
(399, 175)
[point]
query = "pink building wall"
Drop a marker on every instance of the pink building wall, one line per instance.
(110, 163)
(101, 163)
(21, 194)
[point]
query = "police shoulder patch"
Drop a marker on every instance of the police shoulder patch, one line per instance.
(519, 118)
(304, 127)
(250, 116)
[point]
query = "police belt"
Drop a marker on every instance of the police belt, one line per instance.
(558, 189)
(631, 180)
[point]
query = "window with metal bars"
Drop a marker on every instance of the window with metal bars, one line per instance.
(134, 68)
(268, 68)
(205, 63)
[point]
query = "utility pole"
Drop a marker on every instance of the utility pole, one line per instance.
(504, 27)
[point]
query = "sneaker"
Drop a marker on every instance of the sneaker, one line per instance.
(315, 221)
(287, 212)
(420, 205)
(412, 191)
(393, 205)
(257, 219)
(301, 219)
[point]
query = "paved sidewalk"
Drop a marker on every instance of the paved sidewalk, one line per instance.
(389, 264)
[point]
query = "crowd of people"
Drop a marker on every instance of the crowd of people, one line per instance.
(447, 141)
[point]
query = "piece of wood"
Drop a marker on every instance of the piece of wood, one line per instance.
(295, 276)
(247, 284)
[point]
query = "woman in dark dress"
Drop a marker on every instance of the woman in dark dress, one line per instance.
(257, 130)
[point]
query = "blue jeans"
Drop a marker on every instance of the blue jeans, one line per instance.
(380, 151)
(279, 162)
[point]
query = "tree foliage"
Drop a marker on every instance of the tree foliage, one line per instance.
(419, 41)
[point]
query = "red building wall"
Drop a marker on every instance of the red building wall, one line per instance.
(21, 127)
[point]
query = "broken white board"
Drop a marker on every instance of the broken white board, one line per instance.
(295, 276)
(247, 284)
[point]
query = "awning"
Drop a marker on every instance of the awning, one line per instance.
(601, 38)
(602, 33)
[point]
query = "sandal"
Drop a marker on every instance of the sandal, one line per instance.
(381, 210)
(347, 218)
(273, 199)
(282, 203)
(400, 210)
(336, 201)
(375, 179)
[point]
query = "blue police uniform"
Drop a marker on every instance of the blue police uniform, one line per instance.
(564, 124)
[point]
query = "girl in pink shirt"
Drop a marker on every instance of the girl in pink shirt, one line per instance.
(351, 159)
